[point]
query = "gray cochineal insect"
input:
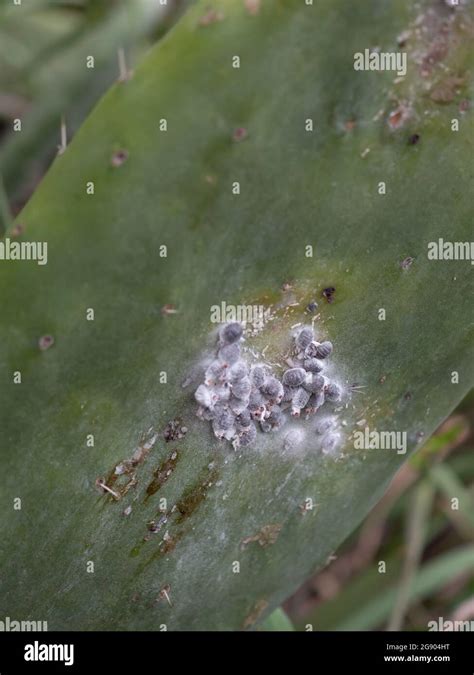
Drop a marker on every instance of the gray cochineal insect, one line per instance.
(240, 398)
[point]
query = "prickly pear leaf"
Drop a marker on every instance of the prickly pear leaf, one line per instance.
(74, 554)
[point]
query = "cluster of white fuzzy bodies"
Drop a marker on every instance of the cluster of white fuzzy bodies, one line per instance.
(239, 398)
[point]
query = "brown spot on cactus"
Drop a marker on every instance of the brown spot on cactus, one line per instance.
(255, 614)
(446, 90)
(399, 116)
(45, 342)
(267, 536)
(193, 498)
(17, 230)
(212, 16)
(118, 158)
(240, 134)
(168, 310)
(162, 473)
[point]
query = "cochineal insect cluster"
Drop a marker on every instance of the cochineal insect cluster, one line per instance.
(239, 398)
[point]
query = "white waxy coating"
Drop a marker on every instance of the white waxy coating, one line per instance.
(238, 371)
(203, 396)
(293, 439)
(324, 425)
(235, 396)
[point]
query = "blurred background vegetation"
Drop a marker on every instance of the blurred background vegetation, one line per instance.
(426, 544)
(44, 45)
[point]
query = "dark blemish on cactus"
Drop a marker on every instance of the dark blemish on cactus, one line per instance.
(193, 498)
(45, 342)
(312, 307)
(408, 396)
(464, 105)
(255, 613)
(168, 309)
(168, 545)
(179, 514)
(267, 536)
(407, 263)
(239, 134)
(162, 474)
(382, 379)
(328, 293)
(212, 16)
(118, 158)
(175, 430)
(413, 139)
(155, 526)
(123, 476)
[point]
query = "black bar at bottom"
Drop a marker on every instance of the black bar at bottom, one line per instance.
(87, 652)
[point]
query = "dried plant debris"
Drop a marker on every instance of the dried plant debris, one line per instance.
(255, 614)
(267, 536)
(175, 430)
(123, 476)
(241, 399)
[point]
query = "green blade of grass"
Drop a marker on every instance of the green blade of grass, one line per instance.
(429, 579)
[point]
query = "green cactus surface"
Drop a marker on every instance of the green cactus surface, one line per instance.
(75, 554)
